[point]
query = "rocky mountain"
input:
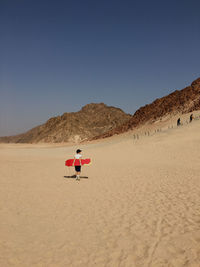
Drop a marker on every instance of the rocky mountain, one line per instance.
(178, 102)
(92, 120)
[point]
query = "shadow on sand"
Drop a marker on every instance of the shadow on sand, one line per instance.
(74, 176)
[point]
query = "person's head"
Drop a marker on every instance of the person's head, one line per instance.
(78, 151)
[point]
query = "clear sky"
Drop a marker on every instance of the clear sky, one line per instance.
(57, 56)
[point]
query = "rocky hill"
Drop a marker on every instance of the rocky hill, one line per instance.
(178, 102)
(92, 120)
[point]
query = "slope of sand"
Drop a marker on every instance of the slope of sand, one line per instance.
(140, 205)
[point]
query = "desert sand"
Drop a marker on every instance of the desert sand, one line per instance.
(139, 206)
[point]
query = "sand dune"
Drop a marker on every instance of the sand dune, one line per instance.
(140, 205)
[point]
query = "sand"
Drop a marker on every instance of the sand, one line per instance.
(139, 206)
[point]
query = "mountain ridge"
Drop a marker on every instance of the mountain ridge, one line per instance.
(97, 120)
(93, 119)
(180, 101)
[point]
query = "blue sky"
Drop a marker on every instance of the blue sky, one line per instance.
(57, 56)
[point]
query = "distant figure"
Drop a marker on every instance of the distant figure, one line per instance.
(191, 117)
(78, 168)
(179, 122)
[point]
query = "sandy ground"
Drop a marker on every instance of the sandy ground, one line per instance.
(140, 205)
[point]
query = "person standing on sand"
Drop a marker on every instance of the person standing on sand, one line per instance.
(78, 167)
(191, 117)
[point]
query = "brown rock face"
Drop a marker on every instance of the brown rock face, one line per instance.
(92, 120)
(183, 101)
